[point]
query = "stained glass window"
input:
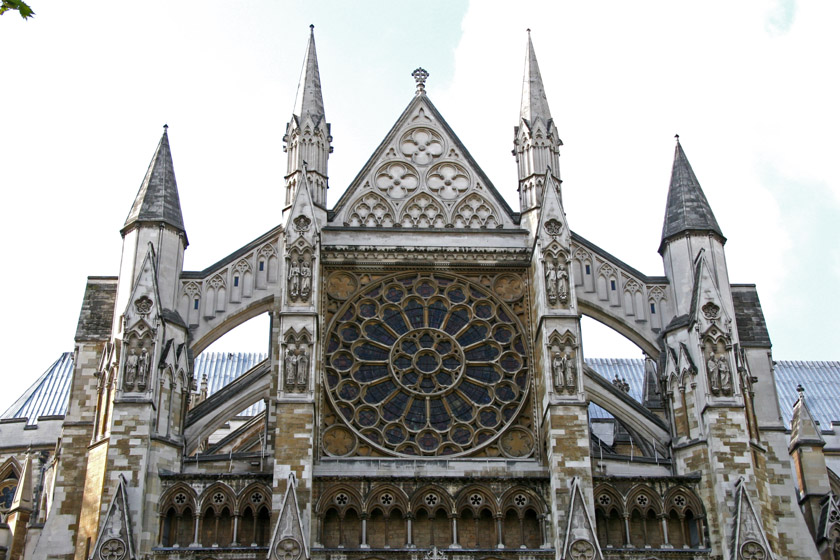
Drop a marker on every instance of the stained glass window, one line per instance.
(426, 364)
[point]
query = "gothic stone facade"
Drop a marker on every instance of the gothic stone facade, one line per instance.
(425, 392)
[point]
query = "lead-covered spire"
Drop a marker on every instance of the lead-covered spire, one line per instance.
(687, 209)
(536, 143)
(307, 140)
(157, 200)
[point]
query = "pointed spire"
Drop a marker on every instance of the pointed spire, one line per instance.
(534, 101)
(157, 200)
(309, 99)
(803, 427)
(687, 208)
(23, 494)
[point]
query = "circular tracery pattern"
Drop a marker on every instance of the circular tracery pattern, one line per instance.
(426, 364)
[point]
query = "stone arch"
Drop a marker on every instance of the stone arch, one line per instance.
(635, 496)
(622, 326)
(474, 212)
(209, 498)
(508, 500)
(247, 496)
(467, 500)
(423, 211)
(203, 339)
(10, 469)
(191, 302)
(370, 210)
(583, 271)
(168, 500)
(378, 497)
(329, 500)
(443, 501)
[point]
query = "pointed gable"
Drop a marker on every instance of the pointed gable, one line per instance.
(289, 540)
(157, 200)
(144, 303)
(803, 428)
(422, 176)
(687, 208)
(581, 540)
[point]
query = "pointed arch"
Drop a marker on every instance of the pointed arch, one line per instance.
(423, 211)
(474, 212)
(388, 497)
(370, 210)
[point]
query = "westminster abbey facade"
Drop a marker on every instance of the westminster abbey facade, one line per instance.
(425, 393)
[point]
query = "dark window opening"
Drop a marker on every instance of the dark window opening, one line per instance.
(236, 280)
(262, 266)
(612, 285)
(588, 271)
(195, 303)
(653, 309)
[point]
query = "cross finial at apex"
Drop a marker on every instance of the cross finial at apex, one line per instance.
(528, 30)
(677, 136)
(420, 76)
(800, 389)
(165, 127)
(312, 28)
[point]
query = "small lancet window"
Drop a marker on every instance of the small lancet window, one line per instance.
(653, 309)
(236, 280)
(195, 303)
(262, 266)
(588, 270)
(612, 285)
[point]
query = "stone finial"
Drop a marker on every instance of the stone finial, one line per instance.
(420, 76)
(677, 136)
(801, 390)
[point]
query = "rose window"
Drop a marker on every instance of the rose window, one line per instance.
(180, 498)
(426, 364)
(431, 499)
(218, 498)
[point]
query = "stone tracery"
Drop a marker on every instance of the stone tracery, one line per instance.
(428, 365)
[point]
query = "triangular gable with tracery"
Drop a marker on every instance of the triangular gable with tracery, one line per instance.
(289, 541)
(580, 538)
(749, 540)
(421, 176)
(115, 540)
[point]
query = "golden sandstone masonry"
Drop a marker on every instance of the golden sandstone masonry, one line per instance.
(425, 393)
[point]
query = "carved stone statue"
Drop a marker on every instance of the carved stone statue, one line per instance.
(551, 281)
(291, 365)
(562, 284)
(131, 362)
(143, 364)
(305, 279)
(725, 376)
(302, 368)
(294, 279)
(558, 367)
(712, 371)
(571, 374)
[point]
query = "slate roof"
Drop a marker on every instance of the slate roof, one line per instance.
(48, 395)
(157, 200)
(687, 208)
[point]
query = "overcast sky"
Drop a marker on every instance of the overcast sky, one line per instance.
(751, 87)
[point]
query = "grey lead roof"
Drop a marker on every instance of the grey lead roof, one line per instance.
(687, 208)
(48, 395)
(157, 200)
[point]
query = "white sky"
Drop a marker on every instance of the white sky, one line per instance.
(751, 87)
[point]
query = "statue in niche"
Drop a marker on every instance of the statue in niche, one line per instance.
(712, 371)
(720, 374)
(571, 375)
(294, 279)
(143, 364)
(725, 375)
(302, 367)
(556, 282)
(551, 281)
(305, 279)
(291, 365)
(562, 284)
(131, 363)
(558, 367)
